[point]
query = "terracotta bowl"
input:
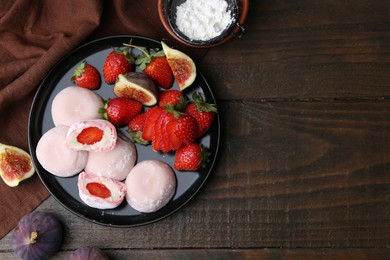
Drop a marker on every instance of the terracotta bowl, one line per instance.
(236, 29)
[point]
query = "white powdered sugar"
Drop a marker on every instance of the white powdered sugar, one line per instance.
(203, 19)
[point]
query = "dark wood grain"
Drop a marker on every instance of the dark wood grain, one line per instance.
(303, 169)
(235, 254)
(310, 174)
(306, 50)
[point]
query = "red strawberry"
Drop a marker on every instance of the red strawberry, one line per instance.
(157, 133)
(186, 129)
(191, 157)
(174, 141)
(90, 135)
(178, 128)
(203, 112)
(86, 76)
(136, 127)
(166, 144)
(174, 98)
(155, 66)
(98, 189)
(160, 72)
(152, 114)
(137, 123)
(119, 111)
(117, 62)
(160, 140)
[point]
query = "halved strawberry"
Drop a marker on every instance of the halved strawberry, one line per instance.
(157, 133)
(175, 142)
(98, 189)
(165, 143)
(90, 135)
(150, 119)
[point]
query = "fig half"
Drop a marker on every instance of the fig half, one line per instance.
(15, 165)
(137, 86)
(183, 67)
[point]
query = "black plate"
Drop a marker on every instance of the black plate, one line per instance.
(65, 190)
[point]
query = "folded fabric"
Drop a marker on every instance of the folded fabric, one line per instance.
(34, 35)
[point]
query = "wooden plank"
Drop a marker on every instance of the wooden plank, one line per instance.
(305, 50)
(232, 254)
(289, 174)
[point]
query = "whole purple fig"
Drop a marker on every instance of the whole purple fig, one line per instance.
(88, 253)
(38, 235)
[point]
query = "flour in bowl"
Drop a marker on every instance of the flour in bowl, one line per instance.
(203, 19)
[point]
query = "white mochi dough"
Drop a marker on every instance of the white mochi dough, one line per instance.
(115, 164)
(74, 104)
(55, 157)
(151, 184)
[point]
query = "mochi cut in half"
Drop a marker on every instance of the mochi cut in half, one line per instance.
(74, 104)
(100, 192)
(151, 184)
(115, 164)
(55, 157)
(97, 135)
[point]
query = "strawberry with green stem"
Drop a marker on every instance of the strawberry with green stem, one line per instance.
(203, 112)
(119, 111)
(155, 66)
(173, 97)
(118, 61)
(180, 128)
(86, 76)
(191, 157)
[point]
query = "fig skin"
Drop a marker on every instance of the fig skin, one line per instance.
(88, 253)
(38, 235)
(137, 86)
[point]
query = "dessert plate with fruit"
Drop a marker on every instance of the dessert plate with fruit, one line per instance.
(124, 131)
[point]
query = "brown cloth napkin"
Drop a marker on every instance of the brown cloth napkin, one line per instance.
(34, 35)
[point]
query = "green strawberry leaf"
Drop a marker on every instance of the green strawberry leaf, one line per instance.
(143, 59)
(202, 105)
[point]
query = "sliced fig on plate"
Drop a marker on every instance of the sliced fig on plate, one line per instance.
(137, 86)
(15, 165)
(183, 67)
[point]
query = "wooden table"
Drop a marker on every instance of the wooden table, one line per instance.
(303, 169)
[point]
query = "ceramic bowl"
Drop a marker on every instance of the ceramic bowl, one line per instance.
(238, 9)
